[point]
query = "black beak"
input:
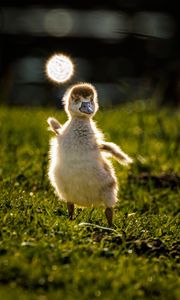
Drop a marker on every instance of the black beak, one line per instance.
(87, 108)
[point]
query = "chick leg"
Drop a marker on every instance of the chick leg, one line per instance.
(109, 215)
(70, 207)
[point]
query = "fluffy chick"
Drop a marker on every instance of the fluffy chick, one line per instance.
(79, 169)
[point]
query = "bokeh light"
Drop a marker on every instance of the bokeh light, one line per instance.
(59, 68)
(58, 22)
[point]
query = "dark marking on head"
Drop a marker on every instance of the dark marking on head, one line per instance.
(85, 91)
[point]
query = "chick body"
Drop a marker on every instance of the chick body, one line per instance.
(79, 171)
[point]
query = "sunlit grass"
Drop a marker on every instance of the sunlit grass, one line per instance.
(43, 255)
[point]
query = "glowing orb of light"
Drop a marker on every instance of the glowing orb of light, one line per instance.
(59, 68)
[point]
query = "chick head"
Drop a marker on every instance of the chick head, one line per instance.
(81, 100)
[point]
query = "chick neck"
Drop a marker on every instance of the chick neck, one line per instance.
(77, 118)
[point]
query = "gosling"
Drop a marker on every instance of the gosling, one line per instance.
(79, 169)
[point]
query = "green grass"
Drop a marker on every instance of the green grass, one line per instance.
(44, 256)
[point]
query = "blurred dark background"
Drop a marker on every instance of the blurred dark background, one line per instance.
(128, 49)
